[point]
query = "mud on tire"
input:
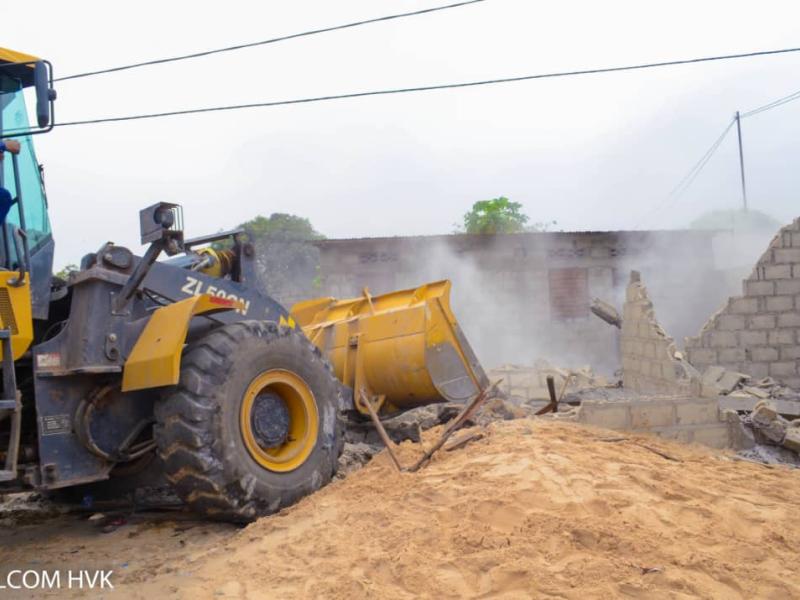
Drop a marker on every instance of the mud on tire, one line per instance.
(198, 423)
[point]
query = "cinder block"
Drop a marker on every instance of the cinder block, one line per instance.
(631, 366)
(780, 303)
(652, 414)
(678, 434)
(654, 369)
(609, 415)
(757, 370)
(697, 413)
(783, 369)
(732, 355)
(791, 319)
(778, 337)
(753, 337)
(645, 330)
(702, 356)
(631, 311)
(742, 306)
(787, 255)
(759, 288)
(790, 286)
(731, 322)
(790, 352)
(715, 436)
(761, 322)
(792, 382)
(668, 371)
(764, 354)
(776, 272)
(721, 339)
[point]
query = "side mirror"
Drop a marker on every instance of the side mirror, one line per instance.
(44, 94)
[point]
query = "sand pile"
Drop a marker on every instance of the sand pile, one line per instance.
(535, 509)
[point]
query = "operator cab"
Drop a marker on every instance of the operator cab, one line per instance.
(26, 242)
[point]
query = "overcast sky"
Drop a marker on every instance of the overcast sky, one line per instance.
(591, 152)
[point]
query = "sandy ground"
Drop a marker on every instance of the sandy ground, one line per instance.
(535, 509)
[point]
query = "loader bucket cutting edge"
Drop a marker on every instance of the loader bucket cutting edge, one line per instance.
(404, 347)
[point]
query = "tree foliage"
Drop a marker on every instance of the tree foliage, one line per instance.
(737, 220)
(65, 272)
(499, 215)
(281, 226)
(286, 262)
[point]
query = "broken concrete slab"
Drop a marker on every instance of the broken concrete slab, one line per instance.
(606, 312)
(730, 380)
(768, 423)
(792, 439)
(741, 437)
(789, 408)
(712, 374)
(758, 392)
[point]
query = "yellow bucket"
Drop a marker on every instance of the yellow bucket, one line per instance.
(401, 350)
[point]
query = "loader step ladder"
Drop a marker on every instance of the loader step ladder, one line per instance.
(10, 406)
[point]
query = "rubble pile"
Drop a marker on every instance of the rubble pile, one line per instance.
(719, 381)
(527, 385)
(771, 429)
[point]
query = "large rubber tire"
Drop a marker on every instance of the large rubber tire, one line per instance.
(199, 433)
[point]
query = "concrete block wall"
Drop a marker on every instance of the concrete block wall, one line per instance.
(758, 333)
(502, 285)
(648, 353)
(687, 419)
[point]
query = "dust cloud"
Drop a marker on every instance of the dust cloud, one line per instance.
(501, 292)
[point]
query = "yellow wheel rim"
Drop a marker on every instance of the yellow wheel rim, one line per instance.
(303, 420)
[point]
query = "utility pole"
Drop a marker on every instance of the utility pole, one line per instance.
(741, 160)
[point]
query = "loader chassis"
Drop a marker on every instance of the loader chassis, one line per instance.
(182, 367)
(84, 363)
(177, 367)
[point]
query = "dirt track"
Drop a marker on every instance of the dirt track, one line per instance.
(536, 509)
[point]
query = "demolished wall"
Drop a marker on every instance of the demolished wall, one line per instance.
(758, 333)
(525, 296)
(650, 361)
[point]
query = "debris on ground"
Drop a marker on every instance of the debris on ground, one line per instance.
(27, 507)
(526, 386)
(362, 440)
(495, 519)
(719, 381)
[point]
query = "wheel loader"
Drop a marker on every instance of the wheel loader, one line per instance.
(172, 363)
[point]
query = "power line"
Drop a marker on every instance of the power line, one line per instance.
(687, 180)
(427, 88)
(771, 105)
(160, 61)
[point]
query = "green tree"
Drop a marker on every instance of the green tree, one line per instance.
(287, 261)
(498, 215)
(281, 225)
(65, 272)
